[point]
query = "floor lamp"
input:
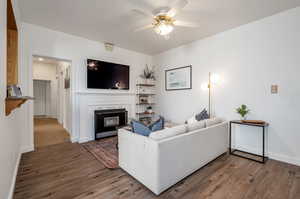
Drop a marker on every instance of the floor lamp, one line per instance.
(212, 80)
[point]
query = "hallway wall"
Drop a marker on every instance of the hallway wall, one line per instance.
(48, 71)
(11, 126)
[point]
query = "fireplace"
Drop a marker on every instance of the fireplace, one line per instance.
(108, 121)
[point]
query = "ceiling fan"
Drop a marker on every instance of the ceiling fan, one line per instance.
(163, 18)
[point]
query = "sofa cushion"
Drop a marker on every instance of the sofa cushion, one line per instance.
(157, 125)
(196, 125)
(202, 115)
(191, 120)
(168, 132)
(140, 128)
(213, 121)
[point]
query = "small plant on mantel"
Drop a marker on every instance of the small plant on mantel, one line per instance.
(148, 74)
(243, 111)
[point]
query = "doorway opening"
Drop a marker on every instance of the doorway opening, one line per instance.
(52, 104)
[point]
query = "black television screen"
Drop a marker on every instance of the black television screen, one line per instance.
(106, 75)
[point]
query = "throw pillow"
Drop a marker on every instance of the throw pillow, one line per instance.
(213, 121)
(157, 125)
(140, 128)
(202, 115)
(191, 120)
(196, 125)
(168, 132)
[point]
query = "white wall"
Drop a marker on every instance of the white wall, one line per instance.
(10, 131)
(249, 59)
(41, 41)
(48, 71)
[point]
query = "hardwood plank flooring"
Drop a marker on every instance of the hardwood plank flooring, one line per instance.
(68, 171)
(48, 131)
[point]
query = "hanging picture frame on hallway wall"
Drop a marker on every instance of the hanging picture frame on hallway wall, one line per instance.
(178, 78)
(67, 78)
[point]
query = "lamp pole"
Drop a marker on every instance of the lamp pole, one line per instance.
(209, 94)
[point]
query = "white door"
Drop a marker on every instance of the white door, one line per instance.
(40, 95)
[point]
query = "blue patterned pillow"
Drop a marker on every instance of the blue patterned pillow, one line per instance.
(157, 125)
(140, 128)
(202, 115)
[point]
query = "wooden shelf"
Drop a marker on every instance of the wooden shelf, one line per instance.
(145, 94)
(146, 85)
(145, 113)
(12, 103)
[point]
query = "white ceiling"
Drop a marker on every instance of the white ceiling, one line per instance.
(114, 21)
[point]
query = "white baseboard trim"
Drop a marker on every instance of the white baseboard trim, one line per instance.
(12, 186)
(283, 158)
(274, 156)
(74, 139)
(86, 139)
(27, 149)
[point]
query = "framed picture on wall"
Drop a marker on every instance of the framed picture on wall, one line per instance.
(67, 78)
(178, 78)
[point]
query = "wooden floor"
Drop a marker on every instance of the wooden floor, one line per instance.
(48, 131)
(68, 171)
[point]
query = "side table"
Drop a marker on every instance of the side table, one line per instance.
(233, 152)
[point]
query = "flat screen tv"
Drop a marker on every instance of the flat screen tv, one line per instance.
(106, 75)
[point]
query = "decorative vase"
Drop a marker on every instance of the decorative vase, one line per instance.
(243, 118)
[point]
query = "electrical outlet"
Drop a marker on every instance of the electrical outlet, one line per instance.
(274, 89)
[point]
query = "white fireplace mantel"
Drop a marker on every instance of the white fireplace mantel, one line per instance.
(89, 102)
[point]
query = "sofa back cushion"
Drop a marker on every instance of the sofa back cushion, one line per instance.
(213, 121)
(196, 125)
(168, 132)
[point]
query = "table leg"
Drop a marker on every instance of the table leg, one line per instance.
(229, 137)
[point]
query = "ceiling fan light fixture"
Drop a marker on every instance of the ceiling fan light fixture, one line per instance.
(164, 29)
(163, 25)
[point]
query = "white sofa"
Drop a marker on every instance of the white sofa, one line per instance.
(159, 164)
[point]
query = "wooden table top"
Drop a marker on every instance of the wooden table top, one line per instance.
(248, 123)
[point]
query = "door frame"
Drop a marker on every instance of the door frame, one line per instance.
(71, 99)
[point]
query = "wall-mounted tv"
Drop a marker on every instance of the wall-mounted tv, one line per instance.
(106, 75)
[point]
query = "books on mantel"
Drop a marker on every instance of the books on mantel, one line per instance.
(254, 121)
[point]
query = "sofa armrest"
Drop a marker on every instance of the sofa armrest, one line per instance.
(138, 156)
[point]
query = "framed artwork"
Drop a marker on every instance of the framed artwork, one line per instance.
(178, 78)
(67, 78)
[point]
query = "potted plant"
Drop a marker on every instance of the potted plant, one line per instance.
(148, 74)
(149, 109)
(243, 111)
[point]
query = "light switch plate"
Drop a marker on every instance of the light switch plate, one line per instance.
(274, 89)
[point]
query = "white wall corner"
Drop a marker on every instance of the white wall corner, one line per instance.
(13, 182)
(27, 149)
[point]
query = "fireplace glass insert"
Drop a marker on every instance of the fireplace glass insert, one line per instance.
(108, 121)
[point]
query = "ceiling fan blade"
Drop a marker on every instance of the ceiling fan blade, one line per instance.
(167, 37)
(179, 5)
(143, 13)
(186, 24)
(143, 28)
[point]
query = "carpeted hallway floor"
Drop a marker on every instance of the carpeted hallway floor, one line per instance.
(48, 131)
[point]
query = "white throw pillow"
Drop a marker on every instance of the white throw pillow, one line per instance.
(168, 132)
(213, 121)
(192, 120)
(196, 125)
